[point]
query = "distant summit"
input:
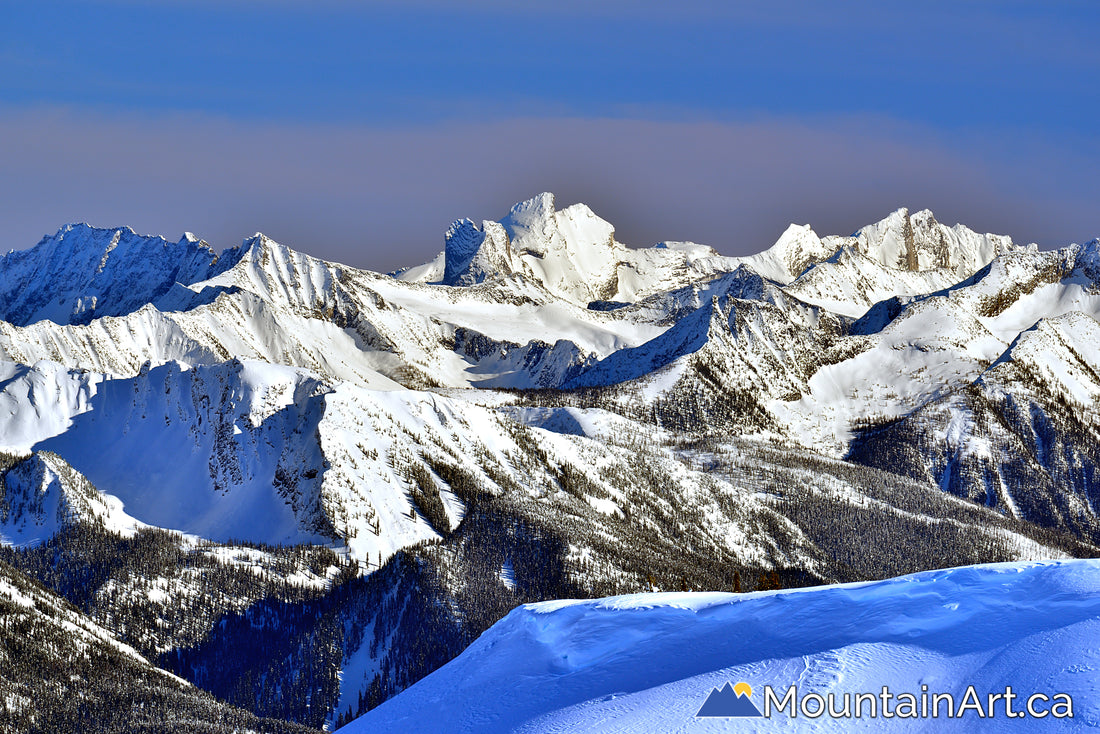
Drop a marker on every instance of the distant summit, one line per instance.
(84, 272)
(917, 242)
(571, 252)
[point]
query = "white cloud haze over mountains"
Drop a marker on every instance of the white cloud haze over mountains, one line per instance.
(381, 197)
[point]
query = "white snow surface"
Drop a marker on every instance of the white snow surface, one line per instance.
(260, 452)
(647, 662)
(43, 494)
(296, 435)
(275, 305)
(571, 252)
(82, 272)
(795, 250)
(526, 281)
(236, 450)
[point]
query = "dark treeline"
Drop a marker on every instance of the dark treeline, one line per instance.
(57, 681)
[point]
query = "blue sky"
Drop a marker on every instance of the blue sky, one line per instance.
(358, 130)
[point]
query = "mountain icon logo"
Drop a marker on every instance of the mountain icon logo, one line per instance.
(729, 701)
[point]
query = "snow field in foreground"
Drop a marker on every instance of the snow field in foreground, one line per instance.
(647, 662)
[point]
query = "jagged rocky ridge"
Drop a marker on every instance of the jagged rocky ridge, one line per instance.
(542, 412)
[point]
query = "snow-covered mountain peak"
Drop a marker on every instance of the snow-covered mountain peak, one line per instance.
(256, 244)
(85, 230)
(278, 273)
(798, 238)
(533, 213)
(797, 248)
(43, 494)
(693, 249)
(917, 242)
(84, 272)
(1088, 258)
(473, 253)
(570, 252)
(78, 238)
(259, 248)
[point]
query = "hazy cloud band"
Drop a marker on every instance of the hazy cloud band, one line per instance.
(381, 198)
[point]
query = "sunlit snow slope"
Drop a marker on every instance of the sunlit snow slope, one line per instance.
(647, 662)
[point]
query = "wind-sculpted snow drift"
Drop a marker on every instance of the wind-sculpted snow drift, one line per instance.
(210, 452)
(647, 662)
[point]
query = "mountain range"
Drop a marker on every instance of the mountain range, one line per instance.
(298, 487)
